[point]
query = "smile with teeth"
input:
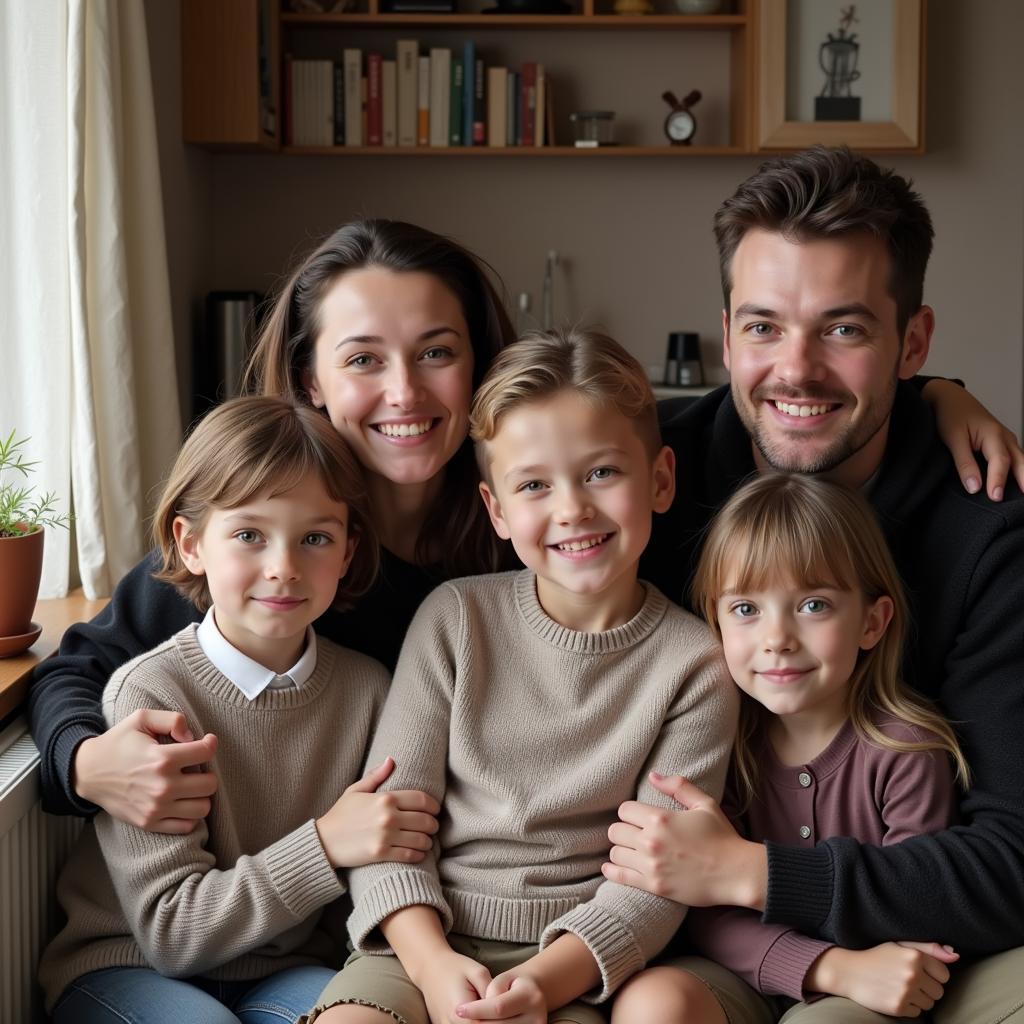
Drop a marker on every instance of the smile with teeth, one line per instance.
(802, 411)
(583, 545)
(403, 429)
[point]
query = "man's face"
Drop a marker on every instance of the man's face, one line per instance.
(813, 350)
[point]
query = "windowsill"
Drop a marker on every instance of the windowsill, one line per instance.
(55, 616)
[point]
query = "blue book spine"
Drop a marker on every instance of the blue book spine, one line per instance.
(468, 90)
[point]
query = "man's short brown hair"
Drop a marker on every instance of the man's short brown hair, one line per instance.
(824, 193)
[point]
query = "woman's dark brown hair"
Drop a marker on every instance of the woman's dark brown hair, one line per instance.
(456, 536)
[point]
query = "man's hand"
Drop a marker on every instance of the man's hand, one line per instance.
(140, 780)
(510, 997)
(902, 979)
(366, 827)
(966, 427)
(693, 856)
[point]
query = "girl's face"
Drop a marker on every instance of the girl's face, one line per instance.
(794, 647)
(393, 367)
(272, 566)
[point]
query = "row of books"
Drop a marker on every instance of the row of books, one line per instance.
(438, 98)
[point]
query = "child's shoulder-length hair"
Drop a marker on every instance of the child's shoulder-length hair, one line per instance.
(255, 446)
(816, 533)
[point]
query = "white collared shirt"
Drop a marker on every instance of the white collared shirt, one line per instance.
(250, 676)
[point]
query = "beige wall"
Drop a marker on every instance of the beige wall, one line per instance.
(634, 234)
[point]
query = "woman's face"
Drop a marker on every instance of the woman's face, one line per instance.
(393, 367)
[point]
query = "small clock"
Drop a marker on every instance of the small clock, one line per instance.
(680, 124)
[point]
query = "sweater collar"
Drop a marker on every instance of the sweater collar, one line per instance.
(207, 675)
(629, 633)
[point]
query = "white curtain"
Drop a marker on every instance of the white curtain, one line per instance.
(85, 320)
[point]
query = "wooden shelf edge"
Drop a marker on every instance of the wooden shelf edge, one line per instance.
(527, 21)
(514, 151)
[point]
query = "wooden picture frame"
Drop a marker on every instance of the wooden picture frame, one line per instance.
(904, 133)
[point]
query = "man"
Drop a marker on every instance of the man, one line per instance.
(823, 256)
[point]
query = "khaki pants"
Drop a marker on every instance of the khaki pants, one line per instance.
(990, 991)
(381, 982)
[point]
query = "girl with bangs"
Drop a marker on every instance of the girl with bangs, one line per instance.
(798, 581)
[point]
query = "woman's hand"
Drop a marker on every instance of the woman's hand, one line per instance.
(136, 776)
(366, 827)
(693, 855)
(902, 979)
(966, 427)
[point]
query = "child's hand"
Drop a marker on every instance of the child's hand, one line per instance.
(902, 979)
(366, 827)
(510, 996)
(452, 981)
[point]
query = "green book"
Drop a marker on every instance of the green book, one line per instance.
(457, 87)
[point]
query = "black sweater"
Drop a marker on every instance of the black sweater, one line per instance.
(64, 699)
(961, 558)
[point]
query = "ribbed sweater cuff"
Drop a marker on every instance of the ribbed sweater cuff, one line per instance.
(65, 746)
(612, 945)
(388, 895)
(800, 883)
(786, 964)
(301, 873)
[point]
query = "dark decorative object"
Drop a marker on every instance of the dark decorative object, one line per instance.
(838, 59)
(680, 124)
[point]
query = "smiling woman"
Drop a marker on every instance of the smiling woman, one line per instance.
(387, 328)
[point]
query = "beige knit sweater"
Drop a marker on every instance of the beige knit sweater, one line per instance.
(531, 735)
(242, 896)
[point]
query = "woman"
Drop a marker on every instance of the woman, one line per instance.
(388, 328)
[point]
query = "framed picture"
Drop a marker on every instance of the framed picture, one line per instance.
(836, 72)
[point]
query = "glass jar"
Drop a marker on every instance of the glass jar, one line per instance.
(593, 127)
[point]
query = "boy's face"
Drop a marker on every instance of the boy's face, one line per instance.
(272, 566)
(573, 486)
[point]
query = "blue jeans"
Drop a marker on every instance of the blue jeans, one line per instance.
(138, 995)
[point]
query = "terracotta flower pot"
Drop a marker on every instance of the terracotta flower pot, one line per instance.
(21, 566)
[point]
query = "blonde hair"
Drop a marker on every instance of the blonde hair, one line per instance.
(819, 534)
(542, 363)
(260, 446)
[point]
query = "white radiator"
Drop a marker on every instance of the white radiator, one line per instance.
(33, 848)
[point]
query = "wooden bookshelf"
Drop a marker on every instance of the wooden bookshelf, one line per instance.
(221, 94)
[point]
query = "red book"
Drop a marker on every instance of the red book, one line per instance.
(374, 103)
(528, 102)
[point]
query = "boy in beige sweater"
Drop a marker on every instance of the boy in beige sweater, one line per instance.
(532, 704)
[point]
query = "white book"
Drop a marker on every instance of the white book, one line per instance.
(353, 62)
(440, 95)
(325, 90)
(497, 106)
(407, 52)
(389, 101)
(303, 100)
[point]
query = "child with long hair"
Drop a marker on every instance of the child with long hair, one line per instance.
(797, 579)
(263, 525)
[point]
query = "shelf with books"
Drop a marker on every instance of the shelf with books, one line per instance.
(584, 68)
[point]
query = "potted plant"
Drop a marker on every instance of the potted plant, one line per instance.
(22, 518)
